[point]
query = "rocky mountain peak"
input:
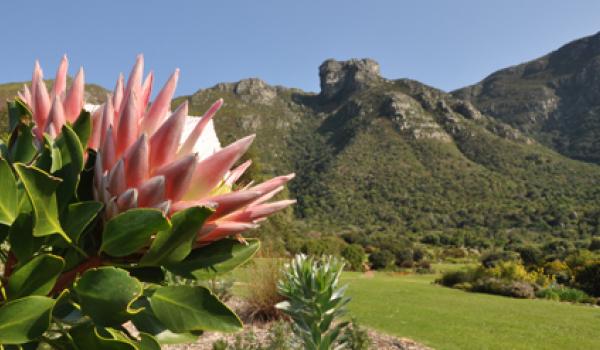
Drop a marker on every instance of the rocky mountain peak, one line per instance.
(340, 78)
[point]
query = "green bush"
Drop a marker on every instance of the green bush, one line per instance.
(356, 337)
(382, 259)
(561, 293)
(454, 252)
(314, 302)
(492, 259)
(588, 279)
(595, 244)
(515, 289)
(531, 256)
(452, 278)
(424, 267)
(325, 245)
(355, 256)
(404, 257)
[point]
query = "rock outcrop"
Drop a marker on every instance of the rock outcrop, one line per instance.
(341, 78)
(251, 90)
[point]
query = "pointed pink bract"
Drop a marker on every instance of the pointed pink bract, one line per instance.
(74, 98)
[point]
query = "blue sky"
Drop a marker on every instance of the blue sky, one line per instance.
(447, 44)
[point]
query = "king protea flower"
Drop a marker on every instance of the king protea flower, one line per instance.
(51, 110)
(148, 156)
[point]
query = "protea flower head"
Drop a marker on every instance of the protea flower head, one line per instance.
(51, 110)
(148, 156)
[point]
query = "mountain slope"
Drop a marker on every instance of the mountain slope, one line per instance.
(396, 156)
(555, 98)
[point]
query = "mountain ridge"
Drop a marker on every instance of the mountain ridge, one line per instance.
(395, 157)
(382, 155)
(554, 98)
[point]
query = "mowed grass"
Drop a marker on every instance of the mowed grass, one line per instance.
(444, 318)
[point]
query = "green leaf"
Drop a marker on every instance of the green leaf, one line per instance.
(106, 295)
(36, 277)
(8, 199)
(83, 127)
(148, 342)
(150, 274)
(127, 232)
(145, 321)
(20, 236)
(79, 216)
(63, 306)
(87, 337)
(71, 152)
(18, 112)
(4, 230)
(41, 190)
(85, 190)
(24, 319)
(49, 159)
(21, 144)
(4, 153)
(217, 258)
(171, 246)
(186, 308)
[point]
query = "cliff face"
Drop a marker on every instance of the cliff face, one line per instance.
(555, 98)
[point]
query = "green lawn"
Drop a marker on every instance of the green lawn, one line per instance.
(443, 318)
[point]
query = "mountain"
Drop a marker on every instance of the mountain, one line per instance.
(554, 99)
(375, 156)
(386, 158)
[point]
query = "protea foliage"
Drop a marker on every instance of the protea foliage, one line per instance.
(314, 301)
(98, 202)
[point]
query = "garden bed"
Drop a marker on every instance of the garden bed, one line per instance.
(261, 331)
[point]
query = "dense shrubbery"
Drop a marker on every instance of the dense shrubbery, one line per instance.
(561, 293)
(381, 260)
(355, 256)
(533, 272)
(588, 278)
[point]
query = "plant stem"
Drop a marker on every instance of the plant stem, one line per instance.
(68, 277)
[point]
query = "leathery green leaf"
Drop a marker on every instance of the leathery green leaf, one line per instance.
(218, 258)
(18, 113)
(83, 127)
(145, 321)
(79, 216)
(186, 308)
(21, 144)
(106, 295)
(20, 236)
(36, 277)
(173, 245)
(88, 337)
(71, 152)
(41, 190)
(8, 199)
(23, 320)
(127, 232)
(148, 342)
